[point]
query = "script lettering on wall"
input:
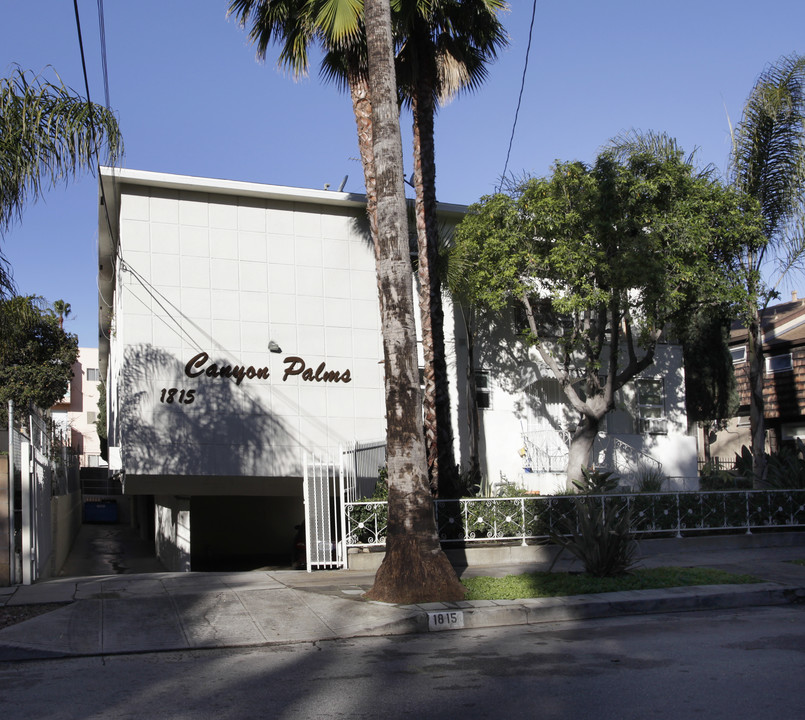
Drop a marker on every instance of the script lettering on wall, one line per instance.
(199, 366)
(297, 366)
(196, 367)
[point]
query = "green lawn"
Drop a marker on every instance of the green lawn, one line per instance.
(553, 584)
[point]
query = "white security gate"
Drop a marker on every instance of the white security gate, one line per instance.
(324, 513)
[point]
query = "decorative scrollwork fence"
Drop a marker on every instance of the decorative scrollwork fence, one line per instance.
(534, 518)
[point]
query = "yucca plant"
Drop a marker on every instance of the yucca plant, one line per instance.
(595, 482)
(600, 537)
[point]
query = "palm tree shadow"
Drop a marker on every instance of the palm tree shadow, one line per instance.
(221, 429)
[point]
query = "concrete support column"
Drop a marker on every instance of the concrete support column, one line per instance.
(172, 516)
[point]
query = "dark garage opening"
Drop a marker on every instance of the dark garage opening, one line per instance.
(243, 532)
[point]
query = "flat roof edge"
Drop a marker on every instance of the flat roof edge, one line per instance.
(190, 183)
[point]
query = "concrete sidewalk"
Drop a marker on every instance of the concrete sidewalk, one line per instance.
(179, 611)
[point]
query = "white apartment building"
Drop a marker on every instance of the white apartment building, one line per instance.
(240, 330)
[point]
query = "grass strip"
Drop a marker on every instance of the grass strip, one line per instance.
(555, 584)
(798, 562)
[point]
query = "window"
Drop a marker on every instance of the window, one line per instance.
(779, 363)
(651, 406)
(93, 375)
(738, 355)
(483, 394)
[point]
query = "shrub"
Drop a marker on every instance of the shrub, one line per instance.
(650, 480)
(785, 470)
(601, 540)
(470, 483)
(712, 477)
(596, 482)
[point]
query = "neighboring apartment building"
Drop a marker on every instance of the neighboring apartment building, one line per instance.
(783, 385)
(76, 413)
(240, 331)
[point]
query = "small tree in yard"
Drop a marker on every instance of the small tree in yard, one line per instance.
(616, 253)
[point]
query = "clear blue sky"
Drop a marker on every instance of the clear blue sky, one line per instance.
(192, 99)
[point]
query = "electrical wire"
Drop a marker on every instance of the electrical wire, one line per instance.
(90, 106)
(104, 67)
(520, 97)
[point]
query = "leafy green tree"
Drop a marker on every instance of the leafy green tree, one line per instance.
(36, 355)
(768, 163)
(711, 393)
(615, 254)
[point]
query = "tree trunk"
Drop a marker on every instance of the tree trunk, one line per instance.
(581, 447)
(473, 417)
(757, 420)
(415, 569)
(438, 424)
(362, 109)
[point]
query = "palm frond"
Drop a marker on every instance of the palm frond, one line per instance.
(340, 20)
(47, 134)
(768, 155)
(657, 144)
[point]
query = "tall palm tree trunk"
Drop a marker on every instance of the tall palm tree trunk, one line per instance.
(757, 408)
(414, 569)
(362, 109)
(438, 425)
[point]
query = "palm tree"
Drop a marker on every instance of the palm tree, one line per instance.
(444, 48)
(415, 566)
(62, 310)
(335, 25)
(768, 163)
(47, 134)
(414, 569)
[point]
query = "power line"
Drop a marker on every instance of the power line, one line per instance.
(104, 69)
(520, 97)
(89, 102)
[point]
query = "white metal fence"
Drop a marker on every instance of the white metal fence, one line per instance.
(474, 520)
(362, 463)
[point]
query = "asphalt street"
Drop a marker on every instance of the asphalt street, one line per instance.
(718, 664)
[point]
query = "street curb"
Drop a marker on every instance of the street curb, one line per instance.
(500, 613)
(538, 611)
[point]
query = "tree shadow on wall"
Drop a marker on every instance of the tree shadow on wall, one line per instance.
(171, 424)
(537, 396)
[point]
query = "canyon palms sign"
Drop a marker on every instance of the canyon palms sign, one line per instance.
(200, 366)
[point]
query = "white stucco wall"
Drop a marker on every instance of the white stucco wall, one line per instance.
(209, 281)
(525, 405)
